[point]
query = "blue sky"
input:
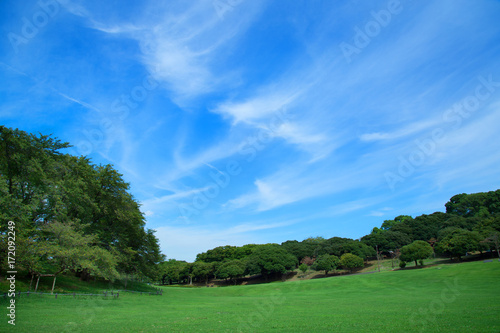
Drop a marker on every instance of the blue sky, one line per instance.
(240, 121)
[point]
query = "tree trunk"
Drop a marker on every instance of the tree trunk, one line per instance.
(38, 280)
(31, 283)
(53, 284)
(416, 265)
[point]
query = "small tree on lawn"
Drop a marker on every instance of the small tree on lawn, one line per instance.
(303, 268)
(418, 250)
(327, 263)
(351, 261)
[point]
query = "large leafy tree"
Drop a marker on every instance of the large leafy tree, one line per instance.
(457, 242)
(299, 249)
(231, 269)
(477, 204)
(41, 187)
(271, 259)
(387, 240)
(67, 248)
(174, 271)
(202, 270)
(418, 250)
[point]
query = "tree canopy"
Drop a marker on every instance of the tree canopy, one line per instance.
(351, 261)
(70, 214)
(418, 250)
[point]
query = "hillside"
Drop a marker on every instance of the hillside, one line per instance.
(444, 298)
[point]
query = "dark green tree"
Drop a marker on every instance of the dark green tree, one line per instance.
(270, 259)
(351, 261)
(418, 250)
(231, 269)
(326, 263)
(203, 270)
(458, 242)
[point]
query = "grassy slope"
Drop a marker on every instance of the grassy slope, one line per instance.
(69, 283)
(444, 298)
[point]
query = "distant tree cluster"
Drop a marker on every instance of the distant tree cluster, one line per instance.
(268, 260)
(69, 214)
(471, 223)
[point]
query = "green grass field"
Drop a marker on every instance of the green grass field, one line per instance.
(444, 298)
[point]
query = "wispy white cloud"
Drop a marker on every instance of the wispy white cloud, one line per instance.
(408, 130)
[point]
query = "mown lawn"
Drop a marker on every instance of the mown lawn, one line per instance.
(445, 298)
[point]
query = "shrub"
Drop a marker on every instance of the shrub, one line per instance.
(351, 261)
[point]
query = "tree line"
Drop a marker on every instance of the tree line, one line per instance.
(70, 214)
(471, 223)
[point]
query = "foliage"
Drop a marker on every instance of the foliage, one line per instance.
(231, 269)
(227, 252)
(307, 260)
(174, 271)
(300, 250)
(338, 246)
(480, 204)
(50, 194)
(457, 242)
(303, 268)
(351, 261)
(270, 259)
(392, 224)
(416, 251)
(67, 248)
(386, 240)
(202, 270)
(326, 263)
